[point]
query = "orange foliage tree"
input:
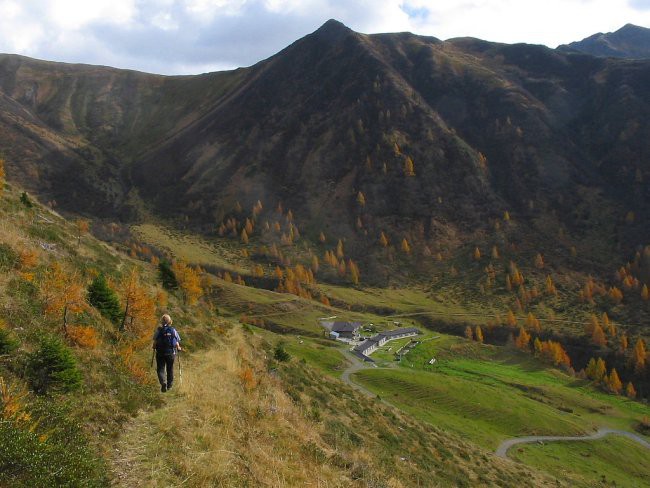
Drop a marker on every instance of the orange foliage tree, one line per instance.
(478, 334)
(523, 339)
(639, 356)
(189, 281)
(63, 293)
(139, 307)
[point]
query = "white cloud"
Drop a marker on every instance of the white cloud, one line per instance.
(174, 36)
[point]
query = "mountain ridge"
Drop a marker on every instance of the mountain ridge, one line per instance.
(629, 42)
(489, 127)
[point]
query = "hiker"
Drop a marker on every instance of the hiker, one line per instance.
(166, 342)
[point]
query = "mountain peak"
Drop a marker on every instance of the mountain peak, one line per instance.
(630, 41)
(332, 30)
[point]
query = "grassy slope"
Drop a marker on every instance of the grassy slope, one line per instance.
(613, 461)
(290, 428)
(239, 419)
(489, 394)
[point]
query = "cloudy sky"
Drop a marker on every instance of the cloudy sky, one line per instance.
(194, 36)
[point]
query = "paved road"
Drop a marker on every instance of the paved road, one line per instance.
(602, 432)
(356, 365)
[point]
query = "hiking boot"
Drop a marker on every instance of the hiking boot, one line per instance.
(163, 388)
(169, 386)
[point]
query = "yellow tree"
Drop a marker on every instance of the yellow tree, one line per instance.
(315, 265)
(321, 237)
(523, 339)
(383, 240)
(550, 286)
(189, 281)
(644, 293)
(354, 271)
(598, 336)
(614, 382)
(63, 293)
(406, 248)
(539, 261)
(139, 308)
(639, 356)
(478, 333)
(361, 199)
(244, 236)
(409, 167)
(630, 391)
(82, 227)
(477, 253)
(339, 249)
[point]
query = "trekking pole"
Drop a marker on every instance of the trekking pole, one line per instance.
(180, 367)
(153, 353)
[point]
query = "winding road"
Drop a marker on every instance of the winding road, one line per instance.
(502, 450)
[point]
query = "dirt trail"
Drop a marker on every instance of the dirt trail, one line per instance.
(502, 450)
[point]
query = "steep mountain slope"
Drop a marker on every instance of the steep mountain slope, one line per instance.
(630, 41)
(440, 137)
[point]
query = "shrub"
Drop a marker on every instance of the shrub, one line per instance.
(281, 354)
(8, 257)
(8, 343)
(167, 275)
(53, 368)
(83, 336)
(103, 298)
(24, 199)
(58, 455)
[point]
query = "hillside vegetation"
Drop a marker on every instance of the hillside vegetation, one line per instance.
(79, 406)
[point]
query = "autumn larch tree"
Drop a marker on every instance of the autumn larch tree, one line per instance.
(361, 199)
(630, 392)
(138, 306)
(63, 293)
(82, 227)
(409, 167)
(406, 248)
(339, 249)
(383, 240)
(522, 340)
(478, 334)
(189, 281)
(614, 382)
(639, 356)
(598, 336)
(539, 261)
(477, 254)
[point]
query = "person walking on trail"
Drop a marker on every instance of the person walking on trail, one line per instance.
(166, 342)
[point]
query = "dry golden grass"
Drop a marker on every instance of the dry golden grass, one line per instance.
(231, 423)
(228, 424)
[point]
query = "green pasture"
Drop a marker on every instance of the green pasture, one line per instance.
(612, 461)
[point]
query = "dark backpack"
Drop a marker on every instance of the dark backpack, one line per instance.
(166, 340)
